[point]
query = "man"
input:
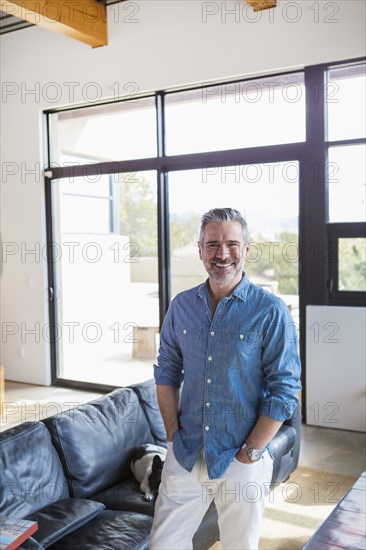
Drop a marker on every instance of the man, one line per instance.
(234, 346)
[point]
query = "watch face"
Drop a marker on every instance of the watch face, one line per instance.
(254, 454)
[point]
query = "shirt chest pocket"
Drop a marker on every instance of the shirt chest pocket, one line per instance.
(242, 334)
(189, 338)
(242, 345)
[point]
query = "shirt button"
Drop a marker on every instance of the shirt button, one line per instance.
(241, 336)
(208, 405)
(208, 380)
(209, 358)
(212, 333)
(184, 331)
(207, 428)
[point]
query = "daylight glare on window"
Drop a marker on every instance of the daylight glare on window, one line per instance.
(112, 132)
(346, 101)
(106, 237)
(346, 180)
(236, 115)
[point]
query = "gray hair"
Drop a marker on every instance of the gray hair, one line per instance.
(223, 215)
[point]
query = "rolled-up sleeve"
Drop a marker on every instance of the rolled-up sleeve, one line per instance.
(169, 364)
(281, 364)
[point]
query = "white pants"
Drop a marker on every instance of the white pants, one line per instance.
(184, 498)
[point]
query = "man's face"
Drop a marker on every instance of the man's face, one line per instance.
(223, 251)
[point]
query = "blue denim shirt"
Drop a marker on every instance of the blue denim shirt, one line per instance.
(236, 365)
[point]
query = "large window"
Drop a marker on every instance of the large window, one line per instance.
(129, 180)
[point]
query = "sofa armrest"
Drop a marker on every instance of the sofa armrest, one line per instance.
(31, 544)
(31, 474)
(283, 442)
(62, 518)
(295, 422)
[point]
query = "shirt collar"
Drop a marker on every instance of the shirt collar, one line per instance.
(240, 291)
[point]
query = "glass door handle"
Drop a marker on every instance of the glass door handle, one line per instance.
(51, 294)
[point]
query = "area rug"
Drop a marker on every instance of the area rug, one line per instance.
(296, 508)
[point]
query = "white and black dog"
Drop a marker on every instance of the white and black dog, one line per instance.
(147, 465)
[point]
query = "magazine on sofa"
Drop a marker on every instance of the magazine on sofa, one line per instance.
(14, 531)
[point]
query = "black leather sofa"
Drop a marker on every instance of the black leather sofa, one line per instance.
(71, 474)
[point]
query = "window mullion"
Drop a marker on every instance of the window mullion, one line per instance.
(313, 193)
(163, 214)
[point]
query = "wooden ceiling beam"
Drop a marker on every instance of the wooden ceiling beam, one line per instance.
(84, 20)
(259, 5)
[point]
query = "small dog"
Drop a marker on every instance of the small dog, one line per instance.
(147, 465)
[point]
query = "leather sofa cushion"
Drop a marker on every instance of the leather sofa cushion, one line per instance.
(146, 392)
(96, 441)
(59, 519)
(31, 472)
(111, 530)
(125, 496)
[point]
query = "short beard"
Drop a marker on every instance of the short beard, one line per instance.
(226, 278)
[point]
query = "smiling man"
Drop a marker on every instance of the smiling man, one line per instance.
(229, 341)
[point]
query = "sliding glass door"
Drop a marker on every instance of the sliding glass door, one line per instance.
(106, 269)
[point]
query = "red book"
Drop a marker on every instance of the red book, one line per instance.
(14, 531)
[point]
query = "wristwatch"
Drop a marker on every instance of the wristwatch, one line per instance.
(254, 454)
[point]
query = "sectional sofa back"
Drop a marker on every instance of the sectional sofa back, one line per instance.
(95, 441)
(31, 474)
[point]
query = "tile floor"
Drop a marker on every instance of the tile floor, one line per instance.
(324, 448)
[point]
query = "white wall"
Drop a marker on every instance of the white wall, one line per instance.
(168, 45)
(335, 367)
